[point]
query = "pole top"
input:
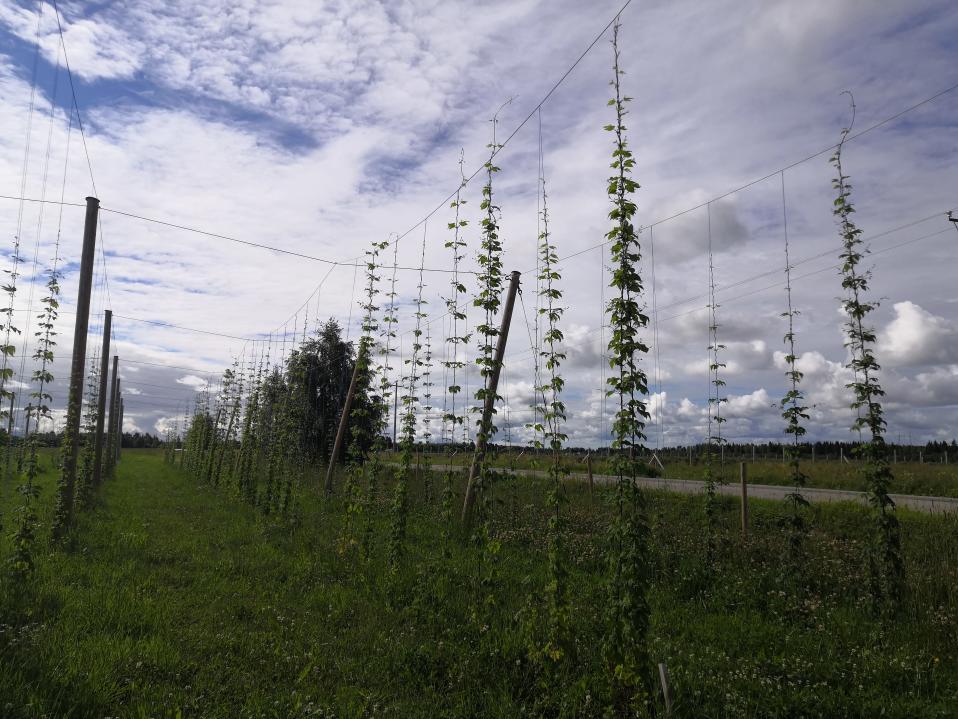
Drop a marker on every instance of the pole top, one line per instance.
(93, 201)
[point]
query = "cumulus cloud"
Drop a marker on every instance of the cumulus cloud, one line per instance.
(916, 337)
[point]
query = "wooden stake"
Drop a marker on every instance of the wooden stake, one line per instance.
(743, 473)
(666, 692)
(588, 466)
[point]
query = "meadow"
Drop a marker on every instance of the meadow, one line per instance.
(932, 479)
(178, 599)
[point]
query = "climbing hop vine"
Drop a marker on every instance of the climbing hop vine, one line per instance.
(489, 298)
(454, 365)
(714, 441)
(627, 608)
(356, 469)
(552, 411)
(886, 566)
(400, 503)
(794, 410)
(25, 519)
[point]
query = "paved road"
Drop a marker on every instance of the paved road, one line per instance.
(756, 491)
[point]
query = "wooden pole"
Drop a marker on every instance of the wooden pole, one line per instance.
(109, 459)
(343, 421)
(482, 437)
(71, 436)
(743, 473)
(119, 434)
(101, 399)
(588, 466)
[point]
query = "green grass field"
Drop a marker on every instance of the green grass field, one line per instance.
(931, 479)
(178, 600)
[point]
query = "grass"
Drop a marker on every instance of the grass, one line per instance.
(930, 479)
(175, 599)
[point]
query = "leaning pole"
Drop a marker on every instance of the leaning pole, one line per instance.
(485, 426)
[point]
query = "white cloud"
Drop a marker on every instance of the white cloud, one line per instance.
(915, 337)
(194, 382)
(380, 99)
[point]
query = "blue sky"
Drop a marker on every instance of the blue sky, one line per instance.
(321, 126)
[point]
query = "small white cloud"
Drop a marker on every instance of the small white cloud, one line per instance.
(191, 380)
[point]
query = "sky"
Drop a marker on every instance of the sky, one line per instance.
(320, 127)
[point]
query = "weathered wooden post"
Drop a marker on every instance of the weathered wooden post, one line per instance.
(119, 428)
(588, 466)
(666, 692)
(344, 420)
(66, 487)
(110, 459)
(101, 399)
(743, 473)
(485, 425)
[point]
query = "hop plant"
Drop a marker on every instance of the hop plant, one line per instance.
(627, 608)
(885, 562)
(794, 411)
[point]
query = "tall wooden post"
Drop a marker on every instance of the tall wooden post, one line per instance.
(743, 472)
(110, 456)
(119, 428)
(344, 420)
(71, 436)
(482, 437)
(101, 399)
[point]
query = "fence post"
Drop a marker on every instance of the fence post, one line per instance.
(588, 466)
(71, 434)
(743, 474)
(482, 437)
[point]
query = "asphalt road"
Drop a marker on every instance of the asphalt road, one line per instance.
(756, 491)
